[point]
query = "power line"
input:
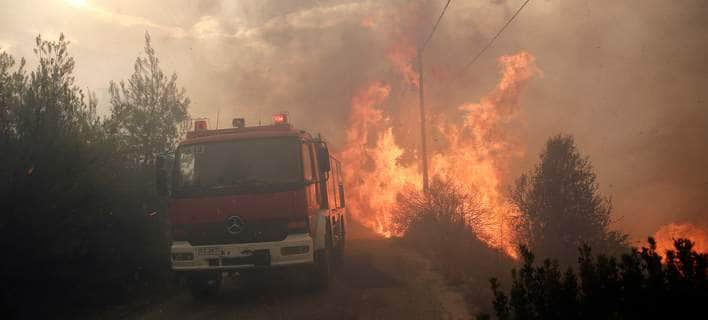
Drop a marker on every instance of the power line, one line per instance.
(489, 44)
(435, 26)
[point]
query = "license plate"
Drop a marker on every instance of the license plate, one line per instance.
(209, 252)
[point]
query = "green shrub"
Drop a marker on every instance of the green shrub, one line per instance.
(638, 285)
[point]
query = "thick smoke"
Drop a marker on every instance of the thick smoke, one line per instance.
(626, 78)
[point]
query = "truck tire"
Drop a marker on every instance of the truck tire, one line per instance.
(339, 248)
(321, 272)
(204, 284)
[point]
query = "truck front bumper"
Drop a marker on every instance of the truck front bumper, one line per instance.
(296, 249)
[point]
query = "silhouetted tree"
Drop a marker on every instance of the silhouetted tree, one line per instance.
(11, 84)
(55, 138)
(53, 188)
(147, 109)
(560, 206)
(73, 215)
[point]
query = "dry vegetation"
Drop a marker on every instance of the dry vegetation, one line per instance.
(561, 215)
(437, 223)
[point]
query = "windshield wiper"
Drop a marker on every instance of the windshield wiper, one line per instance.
(220, 187)
(249, 182)
(246, 183)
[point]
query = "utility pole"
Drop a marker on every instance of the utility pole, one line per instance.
(421, 100)
(423, 142)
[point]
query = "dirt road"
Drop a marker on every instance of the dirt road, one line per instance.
(380, 279)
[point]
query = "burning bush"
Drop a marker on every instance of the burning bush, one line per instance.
(636, 286)
(443, 206)
(443, 223)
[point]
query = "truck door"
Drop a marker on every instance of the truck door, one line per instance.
(311, 177)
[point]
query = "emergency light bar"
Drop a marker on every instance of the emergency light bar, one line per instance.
(280, 118)
(200, 125)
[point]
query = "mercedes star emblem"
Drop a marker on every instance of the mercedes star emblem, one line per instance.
(234, 224)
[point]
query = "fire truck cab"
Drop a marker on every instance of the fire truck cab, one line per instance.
(253, 198)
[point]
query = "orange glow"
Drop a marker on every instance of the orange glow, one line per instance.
(666, 234)
(368, 22)
(477, 153)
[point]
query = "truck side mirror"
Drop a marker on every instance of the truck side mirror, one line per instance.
(161, 176)
(323, 157)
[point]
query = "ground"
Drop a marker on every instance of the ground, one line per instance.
(379, 279)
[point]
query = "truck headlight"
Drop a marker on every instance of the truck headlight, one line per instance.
(286, 251)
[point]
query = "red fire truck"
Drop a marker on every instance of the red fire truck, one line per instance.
(253, 198)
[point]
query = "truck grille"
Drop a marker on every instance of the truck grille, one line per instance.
(254, 231)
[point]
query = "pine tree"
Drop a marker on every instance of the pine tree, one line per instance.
(147, 109)
(561, 208)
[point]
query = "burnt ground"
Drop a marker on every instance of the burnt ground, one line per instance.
(379, 279)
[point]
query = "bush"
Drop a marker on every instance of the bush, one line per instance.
(638, 285)
(441, 223)
(444, 205)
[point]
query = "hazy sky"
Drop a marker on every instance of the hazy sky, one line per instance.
(629, 79)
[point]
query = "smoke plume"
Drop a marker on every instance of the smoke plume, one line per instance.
(626, 78)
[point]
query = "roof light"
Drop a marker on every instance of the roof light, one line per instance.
(200, 125)
(239, 123)
(280, 118)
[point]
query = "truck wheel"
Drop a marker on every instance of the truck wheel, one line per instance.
(320, 272)
(343, 236)
(339, 248)
(204, 284)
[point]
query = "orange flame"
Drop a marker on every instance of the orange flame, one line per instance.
(372, 172)
(480, 151)
(401, 55)
(666, 234)
(477, 155)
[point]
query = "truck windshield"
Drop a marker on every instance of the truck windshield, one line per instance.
(238, 165)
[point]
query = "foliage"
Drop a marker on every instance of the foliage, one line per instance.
(639, 285)
(74, 212)
(560, 205)
(10, 84)
(147, 109)
(444, 204)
